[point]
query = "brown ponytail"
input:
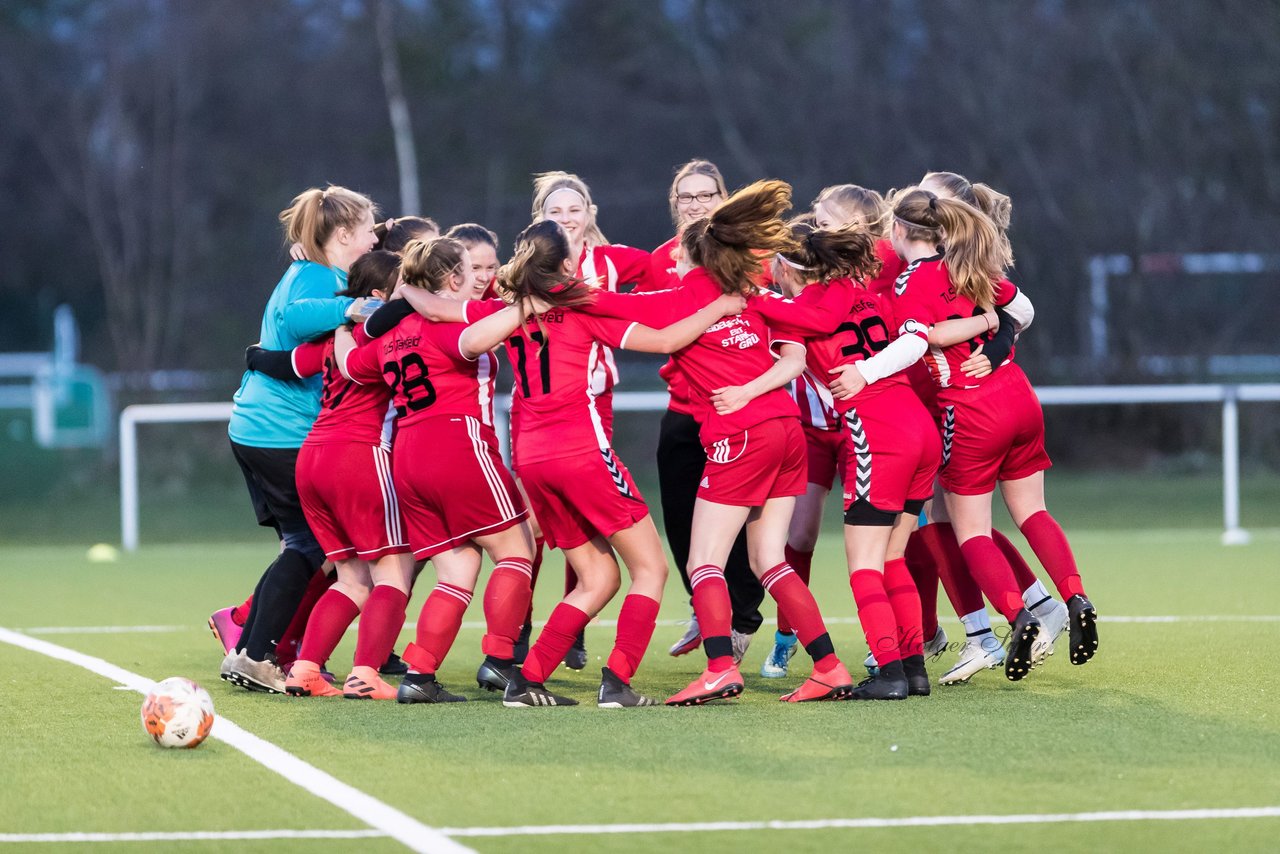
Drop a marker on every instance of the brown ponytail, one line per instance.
(726, 241)
(315, 214)
(537, 270)
(825, 254)
(976, 255)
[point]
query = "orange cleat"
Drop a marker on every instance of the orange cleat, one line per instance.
(724, 685)
(305, 680)
(835, 684)
(364, 683)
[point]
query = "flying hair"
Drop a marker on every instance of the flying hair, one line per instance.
(314, 215)
(825, 254)
(727, 241)
(857, 205)
(537, 270)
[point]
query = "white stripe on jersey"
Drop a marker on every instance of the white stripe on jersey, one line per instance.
(388, 425)
(939, 361)
(496, 487)
(485, 377)
(593, 401)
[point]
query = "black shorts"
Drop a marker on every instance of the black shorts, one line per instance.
(269, 475)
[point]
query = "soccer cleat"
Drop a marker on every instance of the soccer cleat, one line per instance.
(393, 666)
(494, 673)
(917, 676)
(521, 648)
(835, 684)
(889, 684)
(936, 645)
(228, 662)
(263, 675)
(225, 629)
(740, 640)
(870, 664)
(1022, 634)
(724, 685)
(979, 653)
(523, 694)
(364, 683)
(1053, 622)
(616, 694)
(1084, 629)
(690, 640)
(306, 680)
(775, 664)
(423, 688)
(576, 657)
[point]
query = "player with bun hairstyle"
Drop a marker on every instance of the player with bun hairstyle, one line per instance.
(993, 425)
(583, 495)
(271, 418)
(464, 503)
(394, 234)
(755, 449)
(696, 188)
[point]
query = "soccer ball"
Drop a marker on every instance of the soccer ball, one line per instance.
(177, 713)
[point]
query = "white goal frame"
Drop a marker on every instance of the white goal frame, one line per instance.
(1229, 396)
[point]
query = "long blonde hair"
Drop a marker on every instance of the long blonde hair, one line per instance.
(546, 183)
(315, 214)
(857, 206)
(976, 258)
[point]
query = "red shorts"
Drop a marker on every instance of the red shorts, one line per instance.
(894, 451)
(926, 389)
(766, 461)
(827, 451)
(583, 496)
(349, 500)
(452, 484)
(991, 433)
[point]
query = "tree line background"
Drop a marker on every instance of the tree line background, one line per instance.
(147, 145)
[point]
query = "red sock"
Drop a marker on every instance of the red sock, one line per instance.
(1050, 545)
(801, 562)
(905, 601)
(380, 625)
(636, 620)
(538, 545)
(924, 572)
(993, 574)
(240, 613)
(553, 642)
(879, 625)
(287, 648)
(506, 601)
(790, 593)
(939, 542)
(715, 615)
(438, 625)
(329, 621)
(1021, 571)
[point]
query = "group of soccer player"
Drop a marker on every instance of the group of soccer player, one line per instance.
(870, 338)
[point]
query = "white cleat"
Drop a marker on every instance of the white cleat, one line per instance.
(741, 641)
(936, 645)
(974, 658)
(690, 640)
(1053, 617)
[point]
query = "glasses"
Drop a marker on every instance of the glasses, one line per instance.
(700, 198)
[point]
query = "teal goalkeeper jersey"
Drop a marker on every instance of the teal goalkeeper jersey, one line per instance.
(270, 413)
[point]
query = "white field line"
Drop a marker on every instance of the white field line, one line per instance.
(697, 827)
(407, 830)
(832, 621)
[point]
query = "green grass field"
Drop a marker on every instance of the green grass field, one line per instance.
(1171, 715)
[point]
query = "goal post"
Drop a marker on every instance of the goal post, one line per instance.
(1229, 396)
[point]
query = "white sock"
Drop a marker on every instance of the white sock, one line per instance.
(1035, 596)
(977, 629)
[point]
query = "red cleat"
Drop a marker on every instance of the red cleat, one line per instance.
(306, 680)
(711, 685)
(835, 684)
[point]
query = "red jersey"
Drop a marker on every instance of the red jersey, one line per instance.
(891, 267)
(562, 410)
(662, 274)
(844, 324)
(428, 375)
(923, 293)
(349, 412)
(813, 398)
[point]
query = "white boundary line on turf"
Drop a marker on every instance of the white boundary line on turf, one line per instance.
(912, 821)
(192, 836)
(373, 812)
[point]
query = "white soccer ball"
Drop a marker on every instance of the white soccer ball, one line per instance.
(177, 713)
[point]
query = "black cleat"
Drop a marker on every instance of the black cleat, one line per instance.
(576, 657)
(1022, 634)
(889, 684)
(521, 648)
(495, 673)
(522, 694)
(616, 694)
(917, 678)
(393, 666)
(423, 688)
(1084, 628)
